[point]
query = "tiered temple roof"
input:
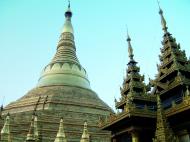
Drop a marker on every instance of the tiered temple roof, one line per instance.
(173, 78)
(136, 107)
(134, 90)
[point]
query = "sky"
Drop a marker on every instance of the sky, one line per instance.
(30, 30)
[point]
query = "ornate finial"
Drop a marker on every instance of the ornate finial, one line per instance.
(128, 37)
(69, 5)
(68, 13)
(130, 49)
(85, 136)
(115, 100)
(163, 21)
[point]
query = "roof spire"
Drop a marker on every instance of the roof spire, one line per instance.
(163, 21)
(130, 49)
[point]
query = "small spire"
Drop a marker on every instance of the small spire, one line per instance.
(1, 109)
(5, 132)
(163, 21)
(130, 49)
(85, 136)
(61, 134)
(163, 131)
(36, 135)
(31, 136)
(187, 93)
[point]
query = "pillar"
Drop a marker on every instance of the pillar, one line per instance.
(135, 137)
(114, 140)
(184, 136)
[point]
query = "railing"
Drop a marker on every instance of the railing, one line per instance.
(178, 105)
(130, 110)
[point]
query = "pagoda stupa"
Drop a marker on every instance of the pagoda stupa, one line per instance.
(63, 91)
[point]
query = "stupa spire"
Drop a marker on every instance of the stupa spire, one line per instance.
(85, 136)
(36, 134)
(31, 136)
(5, 132)
(163, 21)
(61, 134)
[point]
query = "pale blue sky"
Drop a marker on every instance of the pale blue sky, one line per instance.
(30, 29)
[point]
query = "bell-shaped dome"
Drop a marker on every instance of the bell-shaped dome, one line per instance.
(65, 68)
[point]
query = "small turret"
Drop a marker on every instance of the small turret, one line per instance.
(61, 134)
(5, 132)
(85, 136)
